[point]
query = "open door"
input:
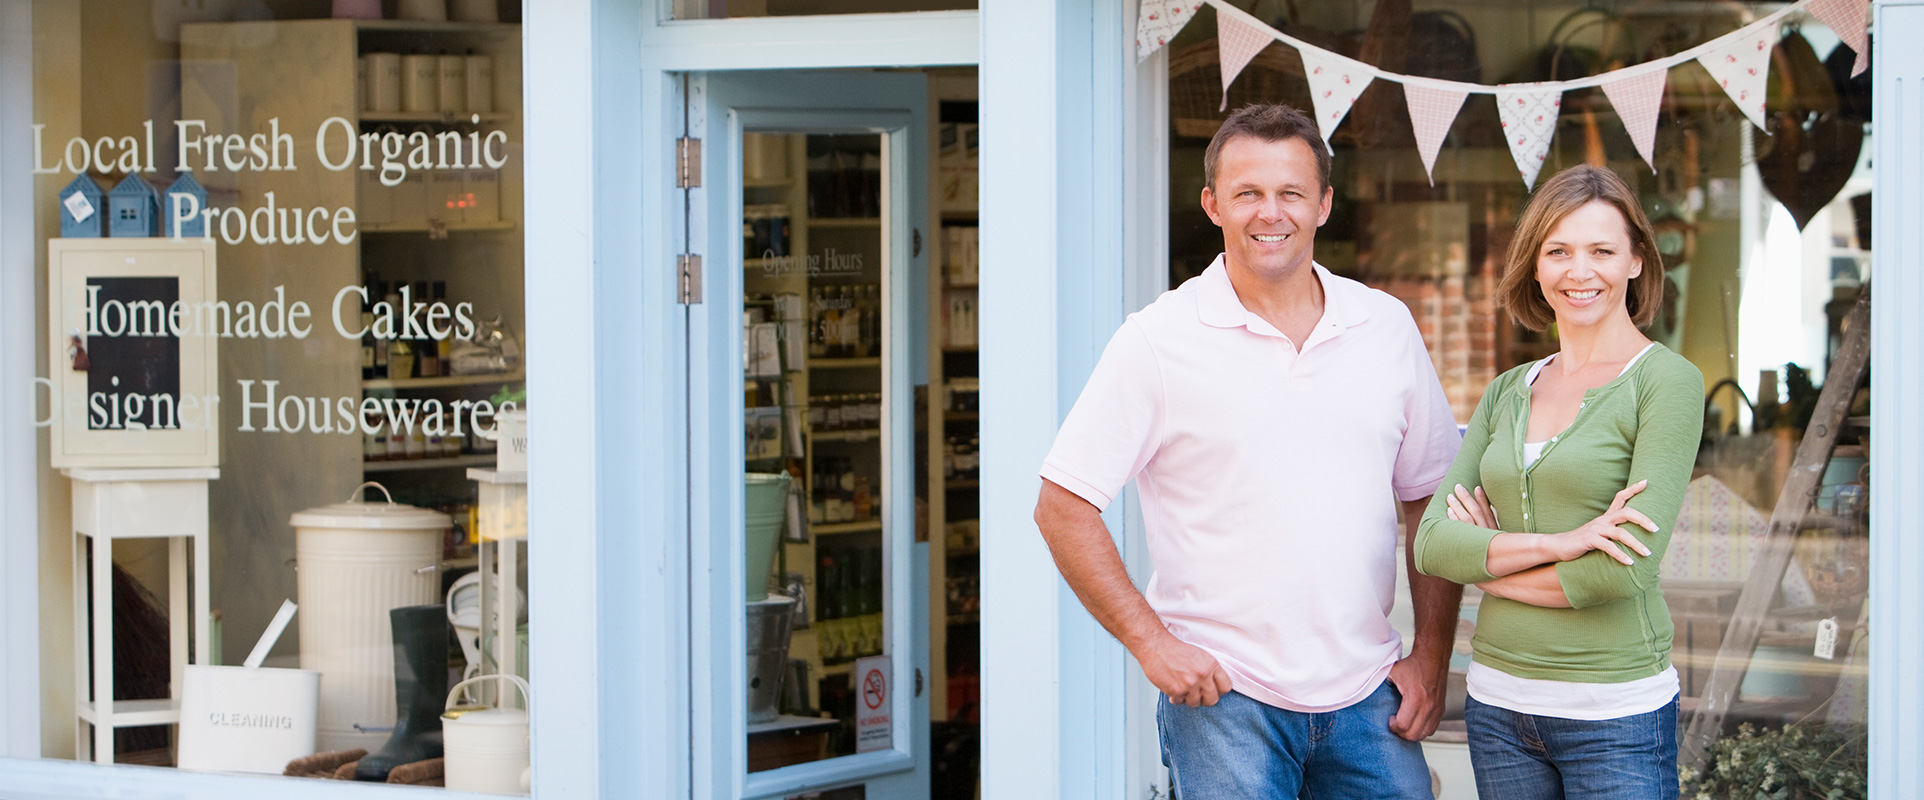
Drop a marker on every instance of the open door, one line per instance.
(809, 602)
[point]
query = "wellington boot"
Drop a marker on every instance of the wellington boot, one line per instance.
(420, 690)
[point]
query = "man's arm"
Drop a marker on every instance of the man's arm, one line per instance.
(1422, 676)
(1088, 560)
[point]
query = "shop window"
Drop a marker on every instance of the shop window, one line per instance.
(283, 329)
(736, 9)
(1765, 237)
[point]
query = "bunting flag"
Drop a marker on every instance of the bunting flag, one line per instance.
(1432, 109)
(1846, 19)
(1236, 43)
(1637, 96)
(1740, 63)
(1334, 84)
(1529, 113)
(1158, 21)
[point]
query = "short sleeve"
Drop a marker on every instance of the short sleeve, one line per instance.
(1116, 424)
(1430, 438)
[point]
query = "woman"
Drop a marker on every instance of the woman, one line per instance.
(1559, 507)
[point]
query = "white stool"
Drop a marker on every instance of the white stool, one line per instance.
(110, 504)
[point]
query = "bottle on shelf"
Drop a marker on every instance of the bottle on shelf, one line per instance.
(397, 445)
(400, 354)
(377, 288)
(374, 445)
(445, 346)
(367, 340)
(427, 352)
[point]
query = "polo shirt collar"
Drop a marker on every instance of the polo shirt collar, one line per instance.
(1218, 305)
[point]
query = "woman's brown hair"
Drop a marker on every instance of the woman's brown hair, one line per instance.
(1565, 192)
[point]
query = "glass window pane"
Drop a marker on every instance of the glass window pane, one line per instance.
(1765, 241)
(283, 260)
(726, 9)
(813, 404)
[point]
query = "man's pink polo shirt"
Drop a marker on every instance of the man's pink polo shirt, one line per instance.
(1267, 477)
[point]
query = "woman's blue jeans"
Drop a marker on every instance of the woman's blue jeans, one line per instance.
(1240, 749)
(1529, 757)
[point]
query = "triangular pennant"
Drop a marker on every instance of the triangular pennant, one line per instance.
(1637, 96)
(1158, 21)
(1334, 84)
(1432, 109)
(1236, 43)
(1740, 63)
(1846, 18)
(1529, 113)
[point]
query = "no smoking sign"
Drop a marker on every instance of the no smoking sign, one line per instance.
(872, 729)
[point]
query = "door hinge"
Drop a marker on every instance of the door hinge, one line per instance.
(918, 681)
(688, 282)
(687, 163)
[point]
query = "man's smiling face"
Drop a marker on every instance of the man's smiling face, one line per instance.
(1269, 200)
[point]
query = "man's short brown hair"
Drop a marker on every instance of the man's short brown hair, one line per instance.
(1565, 192)
(1272, 122)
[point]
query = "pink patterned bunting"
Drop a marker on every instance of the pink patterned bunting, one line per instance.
(1236, 43)
(1637, 96)
(1334, 84)
(1741, 65)
(1529, 112)
(1846, 18)
(1432, 109)
(1158, 21)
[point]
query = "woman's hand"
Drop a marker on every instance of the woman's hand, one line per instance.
(1472, 507)
(1602, 533)
(1510, 553)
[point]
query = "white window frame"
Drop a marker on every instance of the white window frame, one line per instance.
(610, 342)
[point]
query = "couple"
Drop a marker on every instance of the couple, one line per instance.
(1267, 409)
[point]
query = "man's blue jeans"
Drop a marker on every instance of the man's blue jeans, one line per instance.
(1240, 749)
(1529, 757)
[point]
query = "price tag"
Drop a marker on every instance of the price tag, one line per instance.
(1826, 639)
(79, 207)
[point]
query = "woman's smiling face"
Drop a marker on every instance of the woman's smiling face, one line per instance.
(1585, 265)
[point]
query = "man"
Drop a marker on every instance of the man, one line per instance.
(1267, 411)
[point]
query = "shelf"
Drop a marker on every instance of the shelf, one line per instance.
(960, 215)
(428, 463)
(863, 435)
(958, 348)
(424, 26)
(833, 528)
(844, 222)
(961, 285)
(952, 485)
(767, 183)
(423, 227)
(135, 713)
(965, 619)
(954, 416)
(843, 668)
(844, 363)
(443, 117)
(445, 380)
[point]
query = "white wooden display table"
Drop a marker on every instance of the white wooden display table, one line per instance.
(111, 504)
(503, 519)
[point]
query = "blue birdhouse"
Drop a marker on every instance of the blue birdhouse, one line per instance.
(180, 214)
(133, 209)
(83, 209)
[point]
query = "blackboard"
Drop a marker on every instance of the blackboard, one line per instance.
(133, 373)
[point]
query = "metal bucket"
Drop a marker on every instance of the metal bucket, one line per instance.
(767, 504)
(768, 622)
